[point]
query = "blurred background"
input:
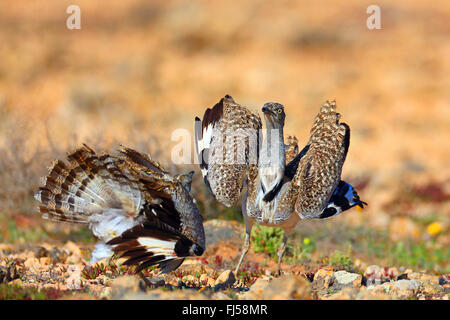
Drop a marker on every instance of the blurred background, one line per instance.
(137, 70)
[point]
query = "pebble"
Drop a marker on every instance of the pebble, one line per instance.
(74, 248)
(211, 282)
(156, 281)
(31, 263)
(203, 278)
(285, 287)
(74, 281)
(226, 279)
(400, 289)
(323, 279)
(342, 279)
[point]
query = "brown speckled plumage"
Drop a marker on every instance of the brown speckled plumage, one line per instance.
(311, 176)
(320, 169)
(224, 175)
(291, 148)
(126, 199)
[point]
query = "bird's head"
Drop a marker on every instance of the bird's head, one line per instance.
(185, 180)
(274, 115)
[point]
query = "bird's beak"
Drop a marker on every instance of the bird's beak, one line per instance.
(267, 111)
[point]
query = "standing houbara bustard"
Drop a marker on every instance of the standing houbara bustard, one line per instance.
(232, 157)
(132, 205)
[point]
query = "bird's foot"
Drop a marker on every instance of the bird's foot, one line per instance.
(277, 273)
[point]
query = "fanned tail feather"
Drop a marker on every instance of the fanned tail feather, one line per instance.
(87, 185)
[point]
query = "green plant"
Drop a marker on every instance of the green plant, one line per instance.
(92, 272)
(267, 239)
(341, 261)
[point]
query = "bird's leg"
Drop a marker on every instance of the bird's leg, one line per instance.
(244, 251)
(248, 230)
(280, 253)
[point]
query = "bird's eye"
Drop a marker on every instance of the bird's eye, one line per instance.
(280, 111)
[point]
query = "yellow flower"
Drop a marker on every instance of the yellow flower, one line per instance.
(434, 228)
(306, 241)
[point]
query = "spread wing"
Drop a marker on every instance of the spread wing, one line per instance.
(319, 170)
(227, 146)
(172, 225)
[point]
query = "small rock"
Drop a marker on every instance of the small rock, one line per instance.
(156, 281)
(287, 287)
(74, 248)
(58, 255)
(40, 252)
(226, 279)
(413, 285)
(400, 289)
(425, 279)
(430, 283)
(323, 279)
(74, 281)
(343, 279)
(211, 282)
(45, 261)
(31, 263)
(406, 288)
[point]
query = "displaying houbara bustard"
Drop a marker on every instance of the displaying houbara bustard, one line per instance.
(132, 205)
(232, 157)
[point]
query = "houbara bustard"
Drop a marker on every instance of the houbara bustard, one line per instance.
(277, 195)
(132, 205)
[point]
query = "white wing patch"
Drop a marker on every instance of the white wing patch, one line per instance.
(157, 246)
(203, 144)
(111, 223)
